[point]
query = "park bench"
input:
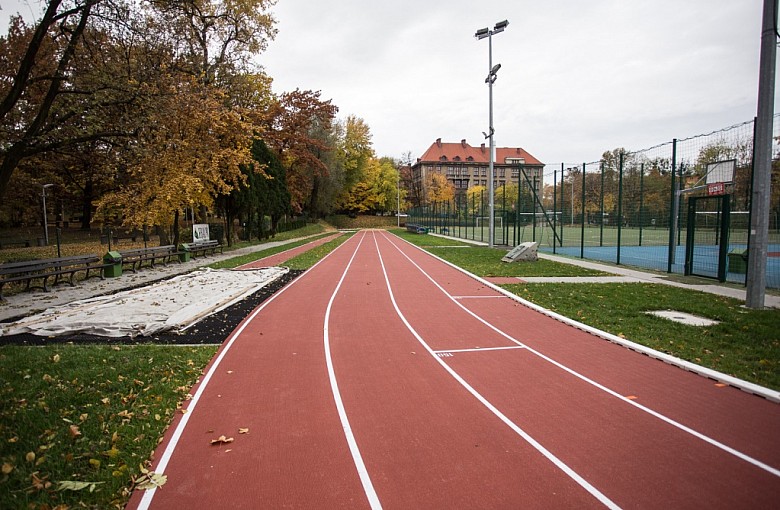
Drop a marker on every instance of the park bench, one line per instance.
(202, 247)
(10, 243)
(417, 229)
(48, 269)
(136, 257)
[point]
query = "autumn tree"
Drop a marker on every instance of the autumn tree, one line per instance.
(42, 97)
(189, 152)
(296, 128)
(215, 39)
(438, 189)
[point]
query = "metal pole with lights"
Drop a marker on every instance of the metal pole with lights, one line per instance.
(491, 78)
(45, 219)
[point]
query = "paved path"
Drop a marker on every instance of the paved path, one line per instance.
(385, 378)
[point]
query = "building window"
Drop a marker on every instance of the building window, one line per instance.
(502, 172)
(484, 172)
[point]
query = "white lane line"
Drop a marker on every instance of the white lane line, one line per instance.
(478, 349)
(479, 297)
(530, 440)
(600, 386)
(365, 478)
(177, 433)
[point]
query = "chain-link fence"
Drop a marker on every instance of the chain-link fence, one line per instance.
(630, 207)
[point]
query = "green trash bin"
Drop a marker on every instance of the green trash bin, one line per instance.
(738, 261)
(114, 258)
(185, 255)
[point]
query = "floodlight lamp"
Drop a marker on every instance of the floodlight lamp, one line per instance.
(501, 25)
(495, 69)
(482, 33)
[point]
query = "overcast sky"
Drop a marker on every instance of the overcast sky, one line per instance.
(577, 77)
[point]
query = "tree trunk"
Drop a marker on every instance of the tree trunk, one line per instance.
(176, 234)
(86, 205)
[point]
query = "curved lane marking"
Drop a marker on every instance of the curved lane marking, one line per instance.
(501, 416)
(365, 479)
(670, 421)
(177, 433)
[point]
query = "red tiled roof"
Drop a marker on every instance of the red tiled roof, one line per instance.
(479, 154)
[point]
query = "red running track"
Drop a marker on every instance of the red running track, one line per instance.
(283, 256)
(383, 377)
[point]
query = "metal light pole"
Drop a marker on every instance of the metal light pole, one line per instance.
(398, 190)
(45, 219)
(491, 78)
(760, 198)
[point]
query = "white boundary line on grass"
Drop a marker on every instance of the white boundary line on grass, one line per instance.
(146, 500)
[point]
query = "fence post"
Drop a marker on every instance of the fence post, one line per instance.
(582, 218)
(620, 207)
(641, 199)
(563, 206)
(673, 211)
(555, 206)
(601, 208)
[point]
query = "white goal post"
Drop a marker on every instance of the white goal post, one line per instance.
(484, 222)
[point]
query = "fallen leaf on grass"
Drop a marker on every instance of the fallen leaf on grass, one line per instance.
(74, 431)
(70, 485)
(7, 468)
(222, 440)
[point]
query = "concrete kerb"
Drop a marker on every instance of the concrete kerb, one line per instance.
(28, 302)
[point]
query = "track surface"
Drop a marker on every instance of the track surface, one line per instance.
(383, 377)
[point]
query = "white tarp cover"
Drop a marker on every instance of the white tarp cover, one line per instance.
(173, 304)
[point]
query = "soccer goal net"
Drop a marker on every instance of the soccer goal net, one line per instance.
(484, 222)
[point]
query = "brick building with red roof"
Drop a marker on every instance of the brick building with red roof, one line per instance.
(466, 166)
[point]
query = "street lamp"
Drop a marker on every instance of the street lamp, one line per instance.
(45, 220)
(491, 78)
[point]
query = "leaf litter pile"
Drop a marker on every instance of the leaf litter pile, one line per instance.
(80, 416)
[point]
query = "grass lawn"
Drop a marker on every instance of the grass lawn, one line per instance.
(484, 261)
(87, 414)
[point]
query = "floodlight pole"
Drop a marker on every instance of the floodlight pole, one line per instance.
(481, 34)
(762, 171)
